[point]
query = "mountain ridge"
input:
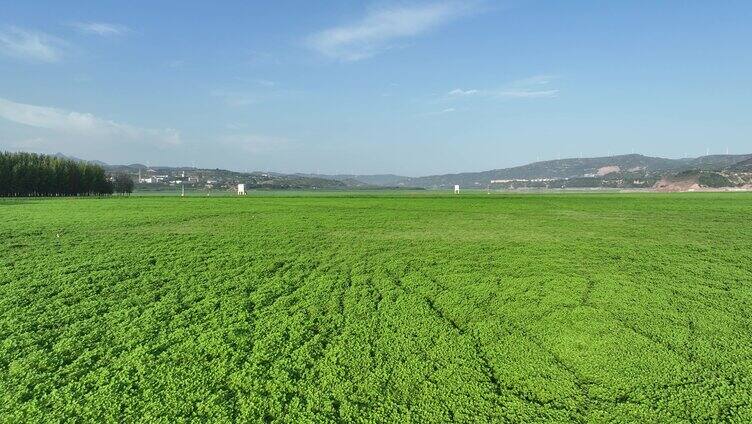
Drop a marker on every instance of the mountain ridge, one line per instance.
(569, 168)
(583, 171)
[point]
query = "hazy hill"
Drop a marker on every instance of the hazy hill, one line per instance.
(222, 177)
(633, 170)
(75, 159)
(745, 165)
(383, 180)
(717, 162)
(633, 164)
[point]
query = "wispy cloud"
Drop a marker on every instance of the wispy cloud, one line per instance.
(235, 98)
(381, 27)
(527, 94)
(103, 29)
(177, 63)
(461, 92)
(527, 88)
(84, 125)
(255, 143)
(28, 143)
(437, 113)
(265, 83)
(31, 45)
(250, 91)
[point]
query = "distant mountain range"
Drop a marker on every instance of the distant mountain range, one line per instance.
(634, 165)
(75, 159)
(158, 177)
(380, 180)
(609, 171)
(743, 165)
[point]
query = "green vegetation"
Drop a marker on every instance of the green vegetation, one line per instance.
(714, 180)
(122, 184)
(377, 308)
(31, 174)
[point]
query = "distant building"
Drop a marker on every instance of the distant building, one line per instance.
(456, 189)
(241, 189)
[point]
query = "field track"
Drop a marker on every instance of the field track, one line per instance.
(377, 308)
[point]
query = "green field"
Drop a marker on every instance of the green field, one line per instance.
(377, 307)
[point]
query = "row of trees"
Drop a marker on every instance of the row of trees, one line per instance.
(31, 174)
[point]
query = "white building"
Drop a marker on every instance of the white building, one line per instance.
(241, 189)
(456, 189)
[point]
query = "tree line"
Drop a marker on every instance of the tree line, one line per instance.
(32, 174)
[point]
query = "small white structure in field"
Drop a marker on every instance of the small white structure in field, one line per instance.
(456, 189)
(241, 189)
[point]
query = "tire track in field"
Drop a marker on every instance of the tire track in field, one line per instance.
(584, 386)
(487, 368)
(711, 374)
(280, 268)
(332, 335)
(295, 276)
(579, 381)
(653, 339)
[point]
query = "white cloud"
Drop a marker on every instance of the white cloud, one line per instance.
(527, 88)
(381, 27)
(84, 126)
(32, 45)
(101, 28)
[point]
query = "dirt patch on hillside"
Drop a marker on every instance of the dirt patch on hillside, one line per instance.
(607, 170)
(683, 185)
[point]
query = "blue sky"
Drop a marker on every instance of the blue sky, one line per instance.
(407, 87)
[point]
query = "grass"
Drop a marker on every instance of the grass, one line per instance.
(377, 307)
